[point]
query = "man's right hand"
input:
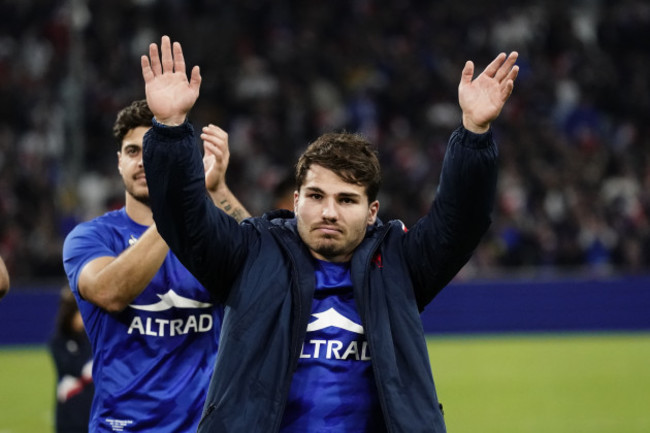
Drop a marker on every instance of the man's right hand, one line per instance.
(170, 95)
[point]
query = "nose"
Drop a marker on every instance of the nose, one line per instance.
(329, 211)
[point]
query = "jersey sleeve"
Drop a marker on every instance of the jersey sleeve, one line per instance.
(84, 243)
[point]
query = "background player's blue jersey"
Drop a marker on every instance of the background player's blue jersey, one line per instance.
(152, 361)
(333, 388)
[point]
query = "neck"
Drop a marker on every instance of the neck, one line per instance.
(138, 211)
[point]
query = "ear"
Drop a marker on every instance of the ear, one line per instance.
(296, 195)
(373, 209)
(119, 159)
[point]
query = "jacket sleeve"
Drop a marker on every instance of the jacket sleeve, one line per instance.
(205, 239)
(440, 243)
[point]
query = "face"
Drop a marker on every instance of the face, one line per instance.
(129, 164)
(77, 322)
(332, 214)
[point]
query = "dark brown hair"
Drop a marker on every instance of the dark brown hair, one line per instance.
(349, 156)
(130, 117)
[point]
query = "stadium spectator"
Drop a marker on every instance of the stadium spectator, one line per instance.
(5, 282)
(362, 364)
(581, 113)
(283, 193)
(154, 329)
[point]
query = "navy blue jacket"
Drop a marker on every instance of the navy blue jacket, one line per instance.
(263, 273)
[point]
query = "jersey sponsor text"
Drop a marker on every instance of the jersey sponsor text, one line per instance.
(164, 327)
(334, 349)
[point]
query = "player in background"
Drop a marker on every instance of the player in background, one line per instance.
(72, 355)
(153, 327)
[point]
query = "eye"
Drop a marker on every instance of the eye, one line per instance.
(132, 150)
(315, 196)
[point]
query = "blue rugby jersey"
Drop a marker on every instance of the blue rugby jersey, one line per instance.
(152, 361)
(333, 388)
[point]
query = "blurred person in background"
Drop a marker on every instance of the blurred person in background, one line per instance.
(4, 279)
(72, 355)
(322, 328)
(283, 193)
(153, 327)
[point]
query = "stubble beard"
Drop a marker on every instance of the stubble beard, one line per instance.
(141, 197)
(327, 248)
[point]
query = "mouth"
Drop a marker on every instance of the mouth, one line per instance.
(328, 230)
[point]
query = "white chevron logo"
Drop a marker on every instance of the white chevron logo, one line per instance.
(335, 319)
(170, 300)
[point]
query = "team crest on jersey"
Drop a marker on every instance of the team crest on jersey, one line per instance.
(132, 240)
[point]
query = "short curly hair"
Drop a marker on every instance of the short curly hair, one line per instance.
(130, 117)
(348, 155)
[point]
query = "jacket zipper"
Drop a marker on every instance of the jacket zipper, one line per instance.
(375, 371)
(295, 349)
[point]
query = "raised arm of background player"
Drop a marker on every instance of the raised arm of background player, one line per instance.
(137, 265)
(215, 164)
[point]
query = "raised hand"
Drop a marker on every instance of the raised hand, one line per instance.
(215, 163)
(170, 95)
(482, 98)
(216, 156)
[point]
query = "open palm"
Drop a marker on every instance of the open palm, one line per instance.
(170, 95)
(482, 98)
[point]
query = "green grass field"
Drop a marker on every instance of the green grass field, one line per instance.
(507, 384)
(546, 383)
(26, 390)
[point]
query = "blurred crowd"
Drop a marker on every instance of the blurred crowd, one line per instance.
(574, 188)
